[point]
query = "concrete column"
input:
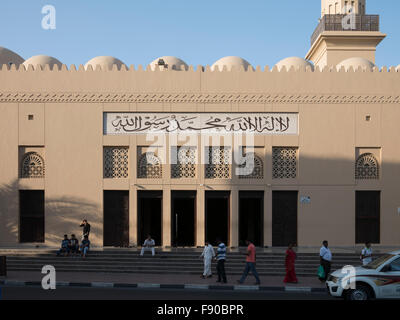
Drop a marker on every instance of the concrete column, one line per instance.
(166, 217)
(200, 197)
(133, 201)
(268, 217)
(133, 231)
(234, 218)
(200, 217)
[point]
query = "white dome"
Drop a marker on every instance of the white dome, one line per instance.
(8, 57)
(105, 62)
(356, 62)
(294, 62)
(398, 68)
(42, 60)
(230, 62)
(169, 63)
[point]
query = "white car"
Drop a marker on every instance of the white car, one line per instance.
(380, 279)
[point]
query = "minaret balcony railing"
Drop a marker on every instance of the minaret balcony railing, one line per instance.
(340, 22)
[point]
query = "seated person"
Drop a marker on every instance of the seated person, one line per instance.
(74, 244)
(65, 244)
(85, 245)
(148, 245)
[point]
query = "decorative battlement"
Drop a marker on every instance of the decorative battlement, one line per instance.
(191, 68)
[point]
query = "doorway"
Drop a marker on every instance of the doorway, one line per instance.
(183, 217)
(150, 216)
(251, 217)
(284, 218)
(368, 204)
(31, 216)
(217, 211)
(116, 219)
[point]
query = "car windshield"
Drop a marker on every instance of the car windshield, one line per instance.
(378, 262)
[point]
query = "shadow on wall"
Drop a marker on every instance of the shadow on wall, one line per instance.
(8, 219)
(65, 214)
(62, 216)
(330, 214)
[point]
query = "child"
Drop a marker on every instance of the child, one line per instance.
(65, 245)
(85, 245)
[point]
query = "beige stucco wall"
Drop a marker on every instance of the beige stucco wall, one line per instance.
(8, 171)
(339, 6)
(68, 111)
(333, 47)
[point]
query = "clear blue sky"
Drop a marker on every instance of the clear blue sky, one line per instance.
(199, 32)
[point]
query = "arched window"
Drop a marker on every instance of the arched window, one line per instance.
(32, 166)
(258, 169)
(149, 166)
(367, 167)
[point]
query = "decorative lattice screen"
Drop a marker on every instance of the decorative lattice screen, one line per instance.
(284, 162)
(116, 162)
(258, 168)
(149, 166)
(219, 160)
(32, 166)
(367, 167)
(185, 166)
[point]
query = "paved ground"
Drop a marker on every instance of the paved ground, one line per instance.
(158, 279)
(36, 293)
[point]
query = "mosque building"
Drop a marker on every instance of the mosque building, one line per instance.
(301, 152)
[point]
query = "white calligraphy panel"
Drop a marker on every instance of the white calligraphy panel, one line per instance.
(207, 123)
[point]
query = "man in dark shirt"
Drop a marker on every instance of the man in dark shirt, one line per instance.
(86, 228)
(65, 243)
(74, 244)
(85, 246)
(221, 257)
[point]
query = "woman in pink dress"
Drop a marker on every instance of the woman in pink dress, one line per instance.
(289, 264)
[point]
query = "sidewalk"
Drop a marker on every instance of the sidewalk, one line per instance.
(306, 284)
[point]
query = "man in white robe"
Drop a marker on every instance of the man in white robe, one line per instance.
(148, 245)
(208, 254)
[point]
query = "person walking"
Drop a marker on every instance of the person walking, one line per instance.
(148, 245)
(366, 254)
(221, 257)
(250, 263)
(208, 254)
(86, 229)
(325, 255)
(290, 265)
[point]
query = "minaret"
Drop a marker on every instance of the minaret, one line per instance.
(344, 31)
(338, 7)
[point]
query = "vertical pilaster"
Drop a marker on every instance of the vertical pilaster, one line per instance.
(133, 226)
(166, 217)
(200, 217)
(234, 218)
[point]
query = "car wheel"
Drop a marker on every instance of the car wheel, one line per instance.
(361, 293)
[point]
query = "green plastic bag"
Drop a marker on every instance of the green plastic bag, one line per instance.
(321, 272)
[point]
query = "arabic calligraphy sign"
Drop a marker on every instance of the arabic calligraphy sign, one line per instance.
(207, 123)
